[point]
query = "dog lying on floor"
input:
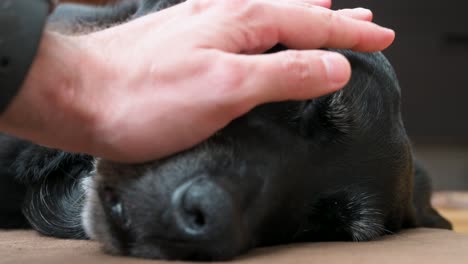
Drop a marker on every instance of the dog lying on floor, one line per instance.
(339, 167)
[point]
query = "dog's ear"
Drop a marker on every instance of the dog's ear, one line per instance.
(53, 205)
(35, 163)
(370, 99)
(425, 214)
(27, 162)
(326, 118)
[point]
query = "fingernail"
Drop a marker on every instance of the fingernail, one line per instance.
(363, 11)
(389, 31)
(337, 67)
(325, 3)
(390, 35)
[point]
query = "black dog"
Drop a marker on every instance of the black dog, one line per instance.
(339, 167)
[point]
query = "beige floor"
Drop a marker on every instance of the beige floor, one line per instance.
(428, 246)
(458, 217)
(453, 206)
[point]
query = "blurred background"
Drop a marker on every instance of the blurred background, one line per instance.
(430, 56)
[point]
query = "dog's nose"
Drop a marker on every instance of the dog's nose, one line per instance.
(202, 210)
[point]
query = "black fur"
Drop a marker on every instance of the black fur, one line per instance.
(44, 183)
(339, 167)
(11, 192)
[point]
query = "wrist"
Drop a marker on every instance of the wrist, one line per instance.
(49, 107)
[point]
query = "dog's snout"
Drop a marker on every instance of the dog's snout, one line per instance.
(202, 210)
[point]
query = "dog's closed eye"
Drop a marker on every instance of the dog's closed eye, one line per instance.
(113, 205)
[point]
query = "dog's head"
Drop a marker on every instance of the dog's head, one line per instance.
(215, 199)
(330, 168)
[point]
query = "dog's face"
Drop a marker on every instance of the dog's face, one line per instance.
(324, 169)
(275, 175)
(239, 189)
(332, 168)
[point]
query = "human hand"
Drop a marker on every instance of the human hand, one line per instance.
(165, 82)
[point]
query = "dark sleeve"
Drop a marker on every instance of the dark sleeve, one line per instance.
(21, 26)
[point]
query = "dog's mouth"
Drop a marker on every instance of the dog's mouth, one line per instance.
(200, 219)
(160, 248)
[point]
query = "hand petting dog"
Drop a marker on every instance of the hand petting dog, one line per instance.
(167, 81)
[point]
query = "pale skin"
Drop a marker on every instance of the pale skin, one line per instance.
(167, 81)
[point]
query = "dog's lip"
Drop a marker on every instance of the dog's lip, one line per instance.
(167, 245)
(186, 249)
(162, 241)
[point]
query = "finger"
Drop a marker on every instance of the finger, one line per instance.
(322, 3)
(290, 75)
(314, 27)
(357, 13)
(329, 29)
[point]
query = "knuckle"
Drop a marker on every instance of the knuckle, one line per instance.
(334, 26)
(246, 10)
(224, 74)
(253, 25)
(200, 6)
(296, 66)
(257, 38)
(329, 25)
(257, 28)
(231, 75)
(254, 10)
(238, 5)
(303, 72)
(229, 88)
